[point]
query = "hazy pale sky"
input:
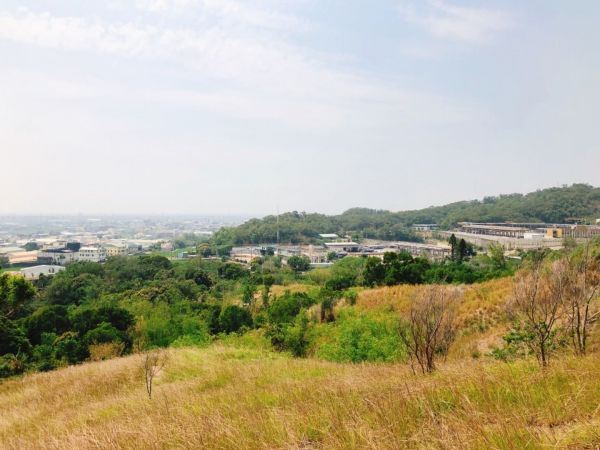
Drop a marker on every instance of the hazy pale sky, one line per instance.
(227, 106)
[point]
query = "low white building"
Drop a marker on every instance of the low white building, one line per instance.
(34, 272)
(91, 254)
(57, 256)
(534, 236)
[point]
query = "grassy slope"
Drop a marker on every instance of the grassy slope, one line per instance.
(231, 398)
(481, 313)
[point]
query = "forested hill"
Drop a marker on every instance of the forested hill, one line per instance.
(551, 205)
(298, 227)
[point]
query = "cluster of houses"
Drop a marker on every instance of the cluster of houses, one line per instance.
(321, 255)
(52, 258)
(73, 251)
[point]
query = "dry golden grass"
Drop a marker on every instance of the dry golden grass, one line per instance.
(481, 311)
(394, 297)
(232, 398)
(107, 350)
(277, 290)
(487, 296)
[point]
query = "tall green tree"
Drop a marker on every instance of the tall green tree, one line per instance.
(299, 263)
(496, 252)
(12, 338)
(374, 272)
(15, 294)
(461, 251)
(453, 246)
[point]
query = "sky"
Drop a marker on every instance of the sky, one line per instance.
(258, 106)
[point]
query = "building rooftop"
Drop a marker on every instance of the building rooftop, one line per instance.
(493, 227)
(56, 250)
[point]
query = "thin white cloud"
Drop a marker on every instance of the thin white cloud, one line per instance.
(442, 19)
(245, 13)
(266, 78)
(74, 33)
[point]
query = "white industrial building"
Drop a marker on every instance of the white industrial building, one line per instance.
(57, 256)
(91, 254)
(329, 236)
(534, 236)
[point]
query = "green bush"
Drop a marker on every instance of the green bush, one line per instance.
(192, 340)
(11, 365)
(252, 339)
(296, 336)
(285, 308)
(85, 319)
(47, 319)
(69, 348)
(357, 337)
(233, 318)
(105, 333)
(12, 338)
(43, 355)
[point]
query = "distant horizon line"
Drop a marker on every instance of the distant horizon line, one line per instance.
(276, 211)
(94, 215)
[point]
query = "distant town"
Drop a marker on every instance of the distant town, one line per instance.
(44, 246)
(35, 246)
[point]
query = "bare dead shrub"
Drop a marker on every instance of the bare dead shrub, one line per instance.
(539, 295)
(584, 287)
(431, 326)
(153, 362)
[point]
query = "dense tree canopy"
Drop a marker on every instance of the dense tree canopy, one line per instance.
(552, 205)
(15, 293)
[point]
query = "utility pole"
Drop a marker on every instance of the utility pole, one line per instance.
(278, 227)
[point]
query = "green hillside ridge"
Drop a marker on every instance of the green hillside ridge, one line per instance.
(552, 205)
